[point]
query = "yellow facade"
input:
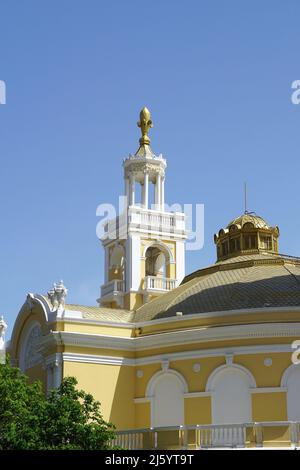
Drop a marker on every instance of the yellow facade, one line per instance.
(210, 351)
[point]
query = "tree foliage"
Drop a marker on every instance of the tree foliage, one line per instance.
(66, 419)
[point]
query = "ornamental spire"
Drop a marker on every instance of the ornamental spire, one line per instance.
(145, 123)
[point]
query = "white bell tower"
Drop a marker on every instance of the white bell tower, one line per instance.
(144, 246)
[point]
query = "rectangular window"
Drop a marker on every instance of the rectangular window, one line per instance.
(266, 242)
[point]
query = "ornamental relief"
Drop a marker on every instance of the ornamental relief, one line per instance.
(137, 168)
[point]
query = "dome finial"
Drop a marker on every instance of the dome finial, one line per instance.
(145, 123)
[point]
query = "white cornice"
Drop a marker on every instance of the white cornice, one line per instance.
(93, 359)
(182, 356)
(187, 336)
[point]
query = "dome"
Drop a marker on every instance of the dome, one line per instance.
(244, 283)
(249, 217)
(247, 234)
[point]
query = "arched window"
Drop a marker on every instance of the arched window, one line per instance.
(30, 355)
(167, 399)
(155, 262)
(231, 400)
(117, 262)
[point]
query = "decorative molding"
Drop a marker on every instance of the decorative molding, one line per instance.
(174, 338)
(137, 401)
(196, 367)
(197, 394)
(210, 380)
(268, 361)
(182, 356)
(57, 295)
(268, 390)
(286, 374)
(30, 354)
(165, 363)
(158, 375)
(95, 359)
(229, 358)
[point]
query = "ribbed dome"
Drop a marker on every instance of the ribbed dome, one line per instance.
(252, 218)
(247, 282)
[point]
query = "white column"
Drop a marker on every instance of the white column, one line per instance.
(158, 192)
(132, 191)
(127, 190)
(163, 193)
(145, 191)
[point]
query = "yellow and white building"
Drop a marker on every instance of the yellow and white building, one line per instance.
(208, 355)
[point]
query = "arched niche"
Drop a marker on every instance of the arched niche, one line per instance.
(166, 391)
(230, 386)
(291, 381)
(117, 262)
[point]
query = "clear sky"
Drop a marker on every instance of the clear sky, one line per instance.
(217, 78)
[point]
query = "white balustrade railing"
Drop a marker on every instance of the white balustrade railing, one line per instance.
(156, 220)
(115, 285)
(206, 436)
(159, 283)
(232, 435)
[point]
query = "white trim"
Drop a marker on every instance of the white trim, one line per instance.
(182, 356)
(209, 383)
(150, 389)
(191, 336)
(72, 314)
(197, 394)
(142, 400)
(163, 247)
(185, 395)
(95, 359)
(88, 321)
(268, 390)
(287, 373)
(180, 261)
(186, 355)
(155, 378)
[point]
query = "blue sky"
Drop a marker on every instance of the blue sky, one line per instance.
(217, 78)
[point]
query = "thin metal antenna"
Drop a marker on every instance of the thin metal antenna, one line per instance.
(245, 196)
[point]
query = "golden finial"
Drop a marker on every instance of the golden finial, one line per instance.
(145, 123)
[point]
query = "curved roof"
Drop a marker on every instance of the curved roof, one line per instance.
(247, 282)
(253, 218)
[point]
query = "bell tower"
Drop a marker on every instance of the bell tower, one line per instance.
(144, 246)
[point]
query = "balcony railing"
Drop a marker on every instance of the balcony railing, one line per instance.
(112, 287)
(159, 283)
(140, 219)
(283, 434)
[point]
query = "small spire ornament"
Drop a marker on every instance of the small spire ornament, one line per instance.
(145, 124)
